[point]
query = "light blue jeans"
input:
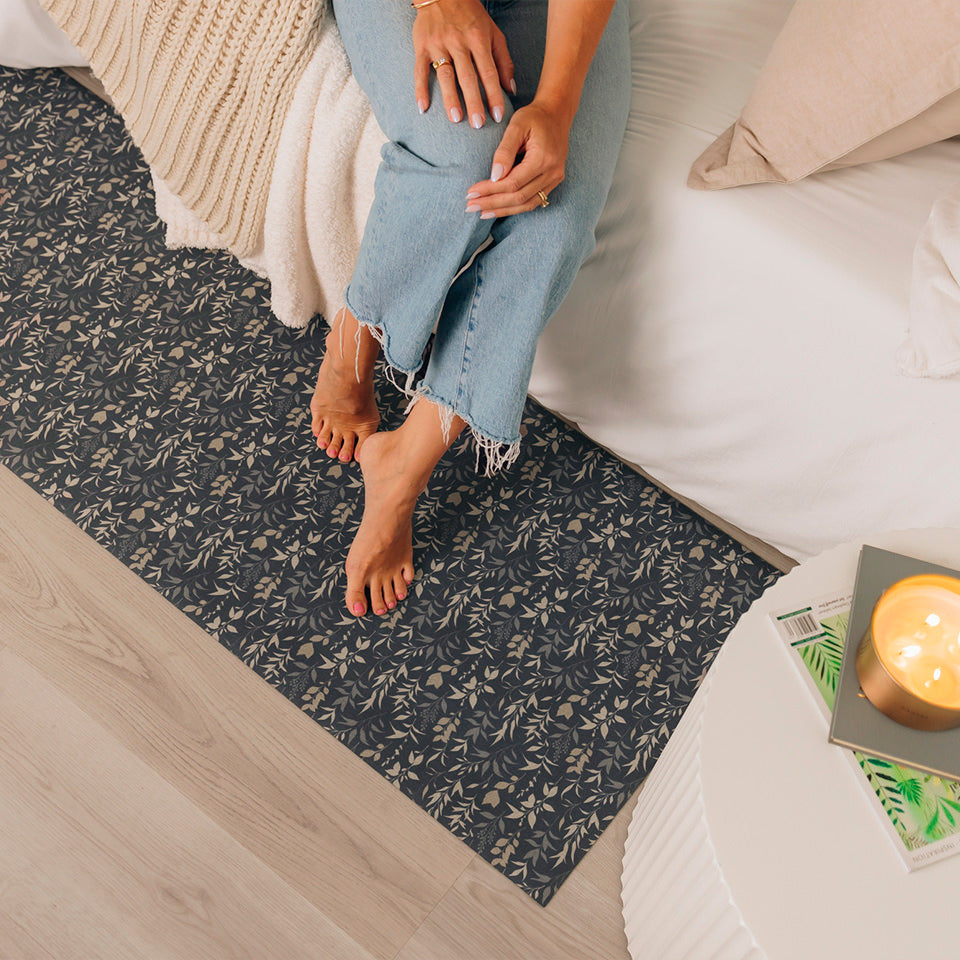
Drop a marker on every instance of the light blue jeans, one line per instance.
(410, 272)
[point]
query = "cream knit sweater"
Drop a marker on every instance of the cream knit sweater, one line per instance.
(203, 87)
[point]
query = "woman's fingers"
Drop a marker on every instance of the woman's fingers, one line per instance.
(504, 66)
(467, 79)
(421, 82)
(496, 74)
(522, 200)
(505, 155)
(478, 64)
(490, 80)
(539, 139)
(447, 78)
(464, 72)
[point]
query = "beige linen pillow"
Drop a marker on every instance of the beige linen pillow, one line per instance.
(846, 82)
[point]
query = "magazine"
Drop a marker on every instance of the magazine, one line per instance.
(920, 812)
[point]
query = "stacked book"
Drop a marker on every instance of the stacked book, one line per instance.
(910, 777)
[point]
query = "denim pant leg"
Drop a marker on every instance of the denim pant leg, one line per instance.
(417, 235)
(483, 353)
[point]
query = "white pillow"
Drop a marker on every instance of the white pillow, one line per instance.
(846, 81)
(933, 347)
(30, 38)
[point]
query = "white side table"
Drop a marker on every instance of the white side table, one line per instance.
(751, 838)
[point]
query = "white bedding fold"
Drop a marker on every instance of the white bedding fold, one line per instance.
(933, 347)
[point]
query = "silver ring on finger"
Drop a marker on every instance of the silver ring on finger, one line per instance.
(439, 62)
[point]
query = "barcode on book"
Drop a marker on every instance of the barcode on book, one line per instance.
(800, 625)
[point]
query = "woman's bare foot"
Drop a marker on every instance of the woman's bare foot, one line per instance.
(396, 467)
(380, 561)
(344, 411)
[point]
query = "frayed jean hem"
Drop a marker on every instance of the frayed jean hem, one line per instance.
(497, 454)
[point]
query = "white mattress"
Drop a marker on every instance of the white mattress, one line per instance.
(740, 345)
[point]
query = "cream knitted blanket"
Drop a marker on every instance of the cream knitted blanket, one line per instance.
(320, 192)
(204, 87)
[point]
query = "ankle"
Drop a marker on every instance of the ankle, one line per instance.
(351, 347)
(394, 456)
(423, 438)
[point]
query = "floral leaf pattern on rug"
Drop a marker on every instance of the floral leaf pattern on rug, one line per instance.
(564, 612)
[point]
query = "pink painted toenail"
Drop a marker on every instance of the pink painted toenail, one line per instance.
(358, 608)
(344, 457)
(380, 613)
(401, 596)
(391, 605)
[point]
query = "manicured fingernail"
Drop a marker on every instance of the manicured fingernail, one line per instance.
(487, 216)
(473, 207)
(358, 608)
(476, 121)
(498, 114)
(497, 172)
(513, 86)
(455, 115)
(422, 106)
(473, 194)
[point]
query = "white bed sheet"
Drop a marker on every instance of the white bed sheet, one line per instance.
(740, 345)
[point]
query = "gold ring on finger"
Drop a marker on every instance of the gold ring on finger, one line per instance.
(544, 202)
(437, 64)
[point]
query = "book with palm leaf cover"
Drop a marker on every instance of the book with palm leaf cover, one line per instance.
(919, 812)
(857, 724)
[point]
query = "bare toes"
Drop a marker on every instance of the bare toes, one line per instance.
(323, 434)
(361, 439)
(389, 597)
(399, 587)
(333, 447)
(346, 451)
(377, 603)
(356, 601)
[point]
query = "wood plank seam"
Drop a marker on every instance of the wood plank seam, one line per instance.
(436, 906)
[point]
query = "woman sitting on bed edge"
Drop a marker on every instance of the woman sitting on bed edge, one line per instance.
(532, 183)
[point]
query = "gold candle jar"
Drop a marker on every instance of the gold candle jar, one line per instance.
(908, 661)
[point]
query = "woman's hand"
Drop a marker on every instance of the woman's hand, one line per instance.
(462, 32)
(539, 132)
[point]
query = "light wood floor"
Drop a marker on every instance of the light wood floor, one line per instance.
(159, 800)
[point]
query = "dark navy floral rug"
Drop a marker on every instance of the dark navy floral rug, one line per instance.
(565, 611)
